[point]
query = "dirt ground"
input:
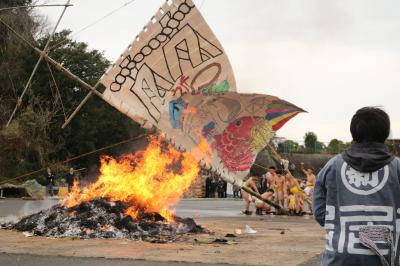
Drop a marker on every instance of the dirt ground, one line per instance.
(279, 241)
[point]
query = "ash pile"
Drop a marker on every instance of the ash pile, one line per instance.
(101, 218)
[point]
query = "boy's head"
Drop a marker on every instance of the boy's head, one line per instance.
(257, 170)
(272, 169)
(310, 170)
(370, 124)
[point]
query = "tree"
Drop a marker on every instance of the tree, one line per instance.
(35, 139)
(13, 72)
(336, 146)
(310, 140)
(320, 146)
(288, 146)
(312, 144)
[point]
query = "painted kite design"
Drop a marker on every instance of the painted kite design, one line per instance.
(176, 76)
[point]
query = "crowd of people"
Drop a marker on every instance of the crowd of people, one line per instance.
(282, 188)
(68, 179)
(215, 186)
(276, 185)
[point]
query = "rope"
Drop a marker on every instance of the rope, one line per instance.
(57, 89)
(370, 235)
(74, 158)
(93, 23)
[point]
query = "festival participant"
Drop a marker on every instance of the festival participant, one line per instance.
(261, 205)
(250, 184)
(70, 178)
(221, 189)
(303, 184)
(236, 191)
(49, 182)
(271, 173)
(309, 172)
(270, 179)
(294, 189)
(291, 203)
(356, 196)
(280, 189)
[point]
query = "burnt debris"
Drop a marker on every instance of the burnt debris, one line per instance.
(101, 218)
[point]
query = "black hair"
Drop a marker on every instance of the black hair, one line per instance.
(256, 170)
(280, 172)
(272, 167)
(370, 124)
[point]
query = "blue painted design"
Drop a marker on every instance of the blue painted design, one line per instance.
(176, 108)
(207, 131)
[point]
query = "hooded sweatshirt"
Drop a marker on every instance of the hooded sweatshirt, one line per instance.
(358, 188)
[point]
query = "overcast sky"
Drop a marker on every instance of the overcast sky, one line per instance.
(329, 57)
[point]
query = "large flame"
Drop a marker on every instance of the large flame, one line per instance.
(150, 180)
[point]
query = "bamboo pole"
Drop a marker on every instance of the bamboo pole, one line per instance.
(45, 50)
(71, 75)
(57, 65)
(75, 112)
(97, 93)
(33, 6)
(271, 203)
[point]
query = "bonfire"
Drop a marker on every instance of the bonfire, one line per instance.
(131, 199)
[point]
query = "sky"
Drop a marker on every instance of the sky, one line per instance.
(329, 57)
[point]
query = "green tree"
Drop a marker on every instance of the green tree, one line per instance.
(35, 138)
(288, 146)
(13, 72)
(336, 146)
(310, 140)
(312, 144)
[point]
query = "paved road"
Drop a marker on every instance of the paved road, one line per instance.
(33, 260)
(186, 208)
(214, 208)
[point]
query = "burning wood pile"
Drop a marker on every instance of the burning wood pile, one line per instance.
(130, 199)
(100, 218)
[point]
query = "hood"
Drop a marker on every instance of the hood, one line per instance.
(367, 157)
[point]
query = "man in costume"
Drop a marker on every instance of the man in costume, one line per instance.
(310, 183)
(356, 196)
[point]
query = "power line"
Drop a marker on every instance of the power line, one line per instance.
(93, 23)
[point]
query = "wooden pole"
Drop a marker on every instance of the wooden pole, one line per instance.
(258, 196)
(71, 75)
(57, 65)
(45, 50)
(83, 102)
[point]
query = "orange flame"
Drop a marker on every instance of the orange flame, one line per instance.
(203, 150)
(149, 180)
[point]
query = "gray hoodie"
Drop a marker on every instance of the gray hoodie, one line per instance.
(360, 187)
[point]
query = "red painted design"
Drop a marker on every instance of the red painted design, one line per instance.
(233, 145)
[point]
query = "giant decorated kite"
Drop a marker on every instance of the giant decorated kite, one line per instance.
(176, 77)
